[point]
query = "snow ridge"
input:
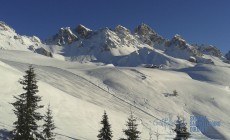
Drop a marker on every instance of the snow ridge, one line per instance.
(119, 46)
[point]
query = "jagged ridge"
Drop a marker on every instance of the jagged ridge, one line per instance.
(117, 46)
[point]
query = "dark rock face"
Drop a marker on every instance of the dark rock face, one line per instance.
(83, 31)
(122, 31)
(178, 42)
(121, 41)
(2, 26)
(63, 37)
(5, 27)
(209, 50)
(228, 56)
(149, 36)
(31, 48)
(143, 29)
(42, 51)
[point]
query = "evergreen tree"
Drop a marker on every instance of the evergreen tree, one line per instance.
(19, 111)
(105, 133)
(48, 126)
(131, 132)
(181, 130)
(25, 109)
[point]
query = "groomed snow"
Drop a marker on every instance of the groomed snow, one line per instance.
(79, 94)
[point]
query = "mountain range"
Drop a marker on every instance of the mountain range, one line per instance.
(82, 73)
(119, 46)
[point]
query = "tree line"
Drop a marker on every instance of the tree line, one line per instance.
(26, 125)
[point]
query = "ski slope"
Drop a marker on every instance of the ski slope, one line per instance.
(79, 94)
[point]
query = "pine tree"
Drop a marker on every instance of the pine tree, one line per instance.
(48, 126)
(25, 109)
(181, 130)
(19, 111)
(131, 132)
(105, 133)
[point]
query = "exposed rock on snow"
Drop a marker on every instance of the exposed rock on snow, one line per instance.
(209, 50)
(122, 29)
(83, 31)
(150, 37)
(228, 55)
(10, 40)
(43, 51)
(144, 29)
(94, 87)
(5, 27)
(65, 36)
(183, 49)
(117, 46)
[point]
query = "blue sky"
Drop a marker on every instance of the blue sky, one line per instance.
(198, 21)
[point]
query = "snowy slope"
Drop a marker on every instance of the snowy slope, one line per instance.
(82, 78)
(79, 91)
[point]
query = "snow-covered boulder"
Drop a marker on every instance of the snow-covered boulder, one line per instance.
(192, 59)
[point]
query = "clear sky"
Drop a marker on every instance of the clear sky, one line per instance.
(197, 21)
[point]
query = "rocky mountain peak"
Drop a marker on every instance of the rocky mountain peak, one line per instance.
(184, 50)
(35, 39)
(209, 50)
(143, 29)
(121, 29)
(178, 41)
(5, 27)
(64, 36)
(178, 37)
(143, 44)
(83, 31)
(148, 36)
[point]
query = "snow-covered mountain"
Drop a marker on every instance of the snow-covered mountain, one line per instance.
(63, 37)
(148, 36)
(119, 46)
(209, 50)
(122, 47)
(80, 92)
(179, 48)
(10, 40)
